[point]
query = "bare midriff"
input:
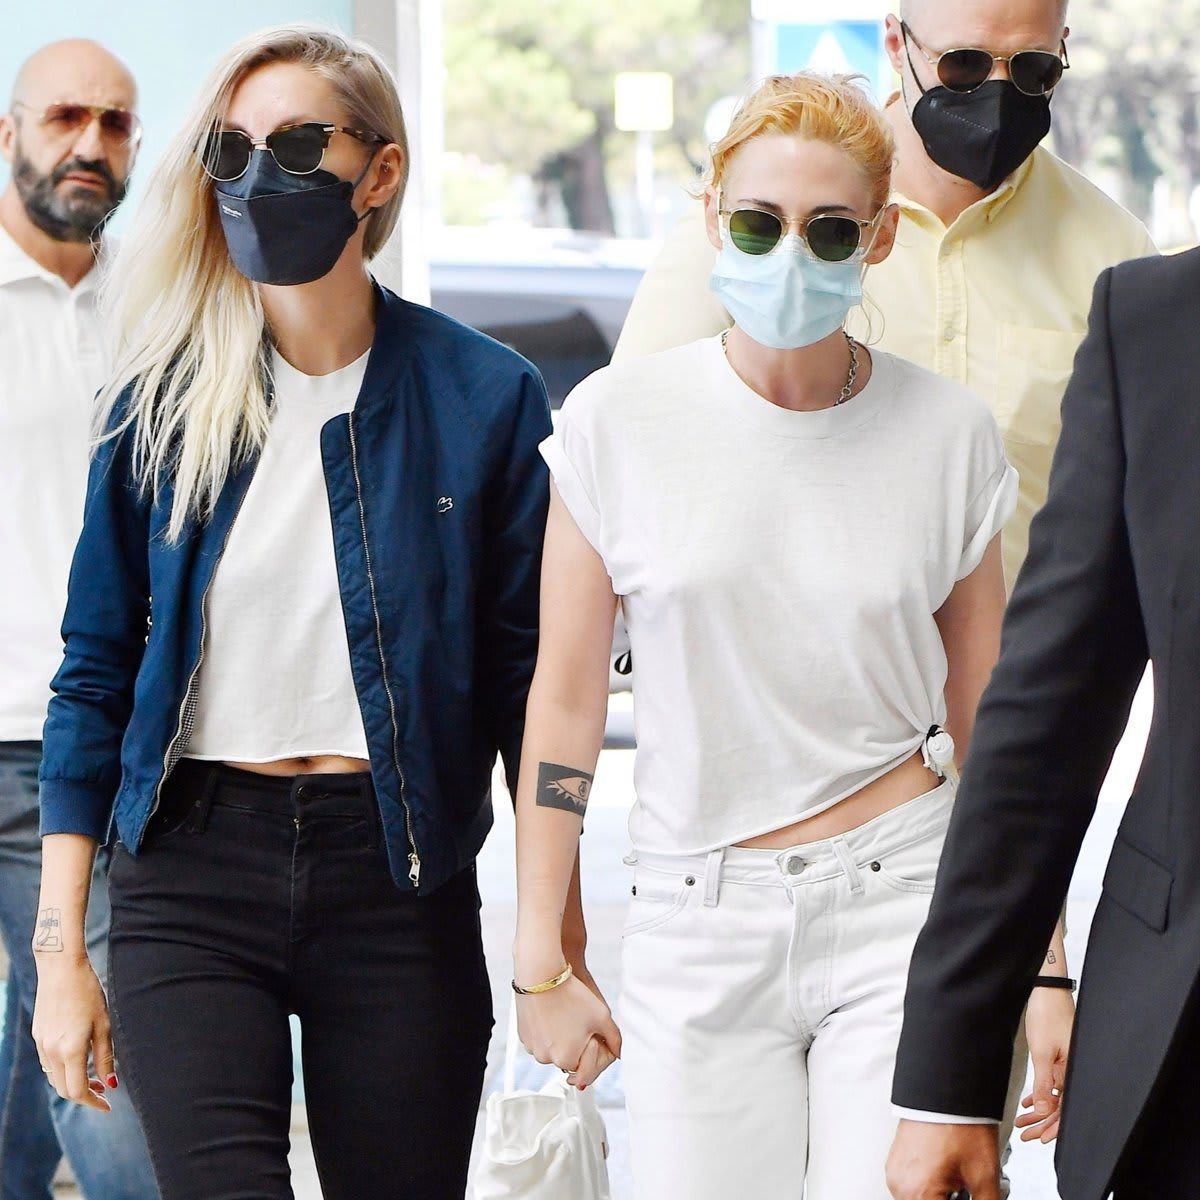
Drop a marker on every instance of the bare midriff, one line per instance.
(317, 764)
(905, 782)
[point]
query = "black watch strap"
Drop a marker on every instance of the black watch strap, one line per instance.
(1055, 981)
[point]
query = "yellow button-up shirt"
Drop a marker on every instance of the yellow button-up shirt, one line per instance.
(998, 301)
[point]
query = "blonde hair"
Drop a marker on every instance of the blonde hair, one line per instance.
(822, 108)
(190, 329)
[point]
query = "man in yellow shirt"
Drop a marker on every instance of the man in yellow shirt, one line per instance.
(991, 278)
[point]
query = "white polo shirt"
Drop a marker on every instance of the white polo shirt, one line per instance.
(54, 361)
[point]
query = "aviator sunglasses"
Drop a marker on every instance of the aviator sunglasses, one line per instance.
(1034, 72)
(68, 118)
(298, 149)
(829, 237)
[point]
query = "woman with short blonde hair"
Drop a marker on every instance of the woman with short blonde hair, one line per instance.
(803, 534)
(302, 621)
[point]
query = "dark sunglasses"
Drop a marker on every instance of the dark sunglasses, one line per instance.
(68, 119)
(1034, 72)
(828, 236)
(298, 149)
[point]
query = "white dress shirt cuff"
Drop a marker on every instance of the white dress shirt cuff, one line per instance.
(916, 1114)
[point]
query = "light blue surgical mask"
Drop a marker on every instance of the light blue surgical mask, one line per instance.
(785, 299)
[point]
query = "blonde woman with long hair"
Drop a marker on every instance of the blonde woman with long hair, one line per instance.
(804, 535)
(302, 620)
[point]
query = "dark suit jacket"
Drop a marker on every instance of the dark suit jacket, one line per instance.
(1112, 577)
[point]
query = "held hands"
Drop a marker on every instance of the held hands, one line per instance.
(571, 1027)
(1049, 1020)
(70, 1021)
(932, 1162)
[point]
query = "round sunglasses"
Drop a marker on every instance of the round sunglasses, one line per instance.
(298, 149)
(1034, 72)
(829, 237)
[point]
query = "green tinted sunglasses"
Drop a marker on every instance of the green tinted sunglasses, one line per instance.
(829, 237)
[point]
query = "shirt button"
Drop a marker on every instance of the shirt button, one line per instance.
(795, 865)
(949, 333)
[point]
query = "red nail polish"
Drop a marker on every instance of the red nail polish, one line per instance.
(111, 1081)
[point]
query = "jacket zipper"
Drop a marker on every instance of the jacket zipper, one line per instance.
(414, 857)
(187, 709)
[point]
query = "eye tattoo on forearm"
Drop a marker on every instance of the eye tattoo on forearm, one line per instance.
(48, 939)
(563, 787)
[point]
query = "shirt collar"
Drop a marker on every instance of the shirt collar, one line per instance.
(993, 204)
(16, 265)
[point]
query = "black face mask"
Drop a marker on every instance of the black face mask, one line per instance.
(286, 229)
(982, 136)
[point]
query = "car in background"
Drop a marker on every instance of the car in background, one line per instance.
(559, 297)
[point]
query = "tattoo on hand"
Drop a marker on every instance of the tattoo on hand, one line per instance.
(1051, 957)
(563, 787)
(49, 932)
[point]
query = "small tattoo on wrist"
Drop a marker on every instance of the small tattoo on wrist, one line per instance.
(1051, 957)
(48, 939)
(562, 787)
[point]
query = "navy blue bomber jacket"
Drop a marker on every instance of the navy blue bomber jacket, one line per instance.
(438, 498)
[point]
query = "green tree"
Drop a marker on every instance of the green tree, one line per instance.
(1131, 100)
(530, 83)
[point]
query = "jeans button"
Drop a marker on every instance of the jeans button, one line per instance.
(795, 865)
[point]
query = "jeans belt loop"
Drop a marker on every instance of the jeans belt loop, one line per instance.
(197, 819)
(712, 876)
(366, 793)
(848, 865)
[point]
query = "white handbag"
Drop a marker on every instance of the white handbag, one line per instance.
(545, 1145)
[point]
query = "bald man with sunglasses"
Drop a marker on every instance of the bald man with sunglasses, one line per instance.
(70, 137)
(990, 282)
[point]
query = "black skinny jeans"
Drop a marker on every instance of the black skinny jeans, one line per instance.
(254, 898)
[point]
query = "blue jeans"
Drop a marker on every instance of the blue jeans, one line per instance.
(106, 1151)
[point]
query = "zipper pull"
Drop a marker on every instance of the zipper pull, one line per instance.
(414, 870)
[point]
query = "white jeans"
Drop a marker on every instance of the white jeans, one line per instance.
(762, 1001)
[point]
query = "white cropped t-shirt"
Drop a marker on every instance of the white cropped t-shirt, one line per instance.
(779, 573)
(275, 677)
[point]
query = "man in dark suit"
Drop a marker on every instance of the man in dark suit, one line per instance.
(1112, 579)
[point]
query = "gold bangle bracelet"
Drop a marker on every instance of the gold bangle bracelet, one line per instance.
(548, 986)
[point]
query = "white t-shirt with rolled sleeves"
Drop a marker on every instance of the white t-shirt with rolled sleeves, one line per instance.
(779, 573)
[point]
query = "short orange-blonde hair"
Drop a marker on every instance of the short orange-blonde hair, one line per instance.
(822, 108)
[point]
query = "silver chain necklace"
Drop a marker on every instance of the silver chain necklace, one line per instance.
(851, 375)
